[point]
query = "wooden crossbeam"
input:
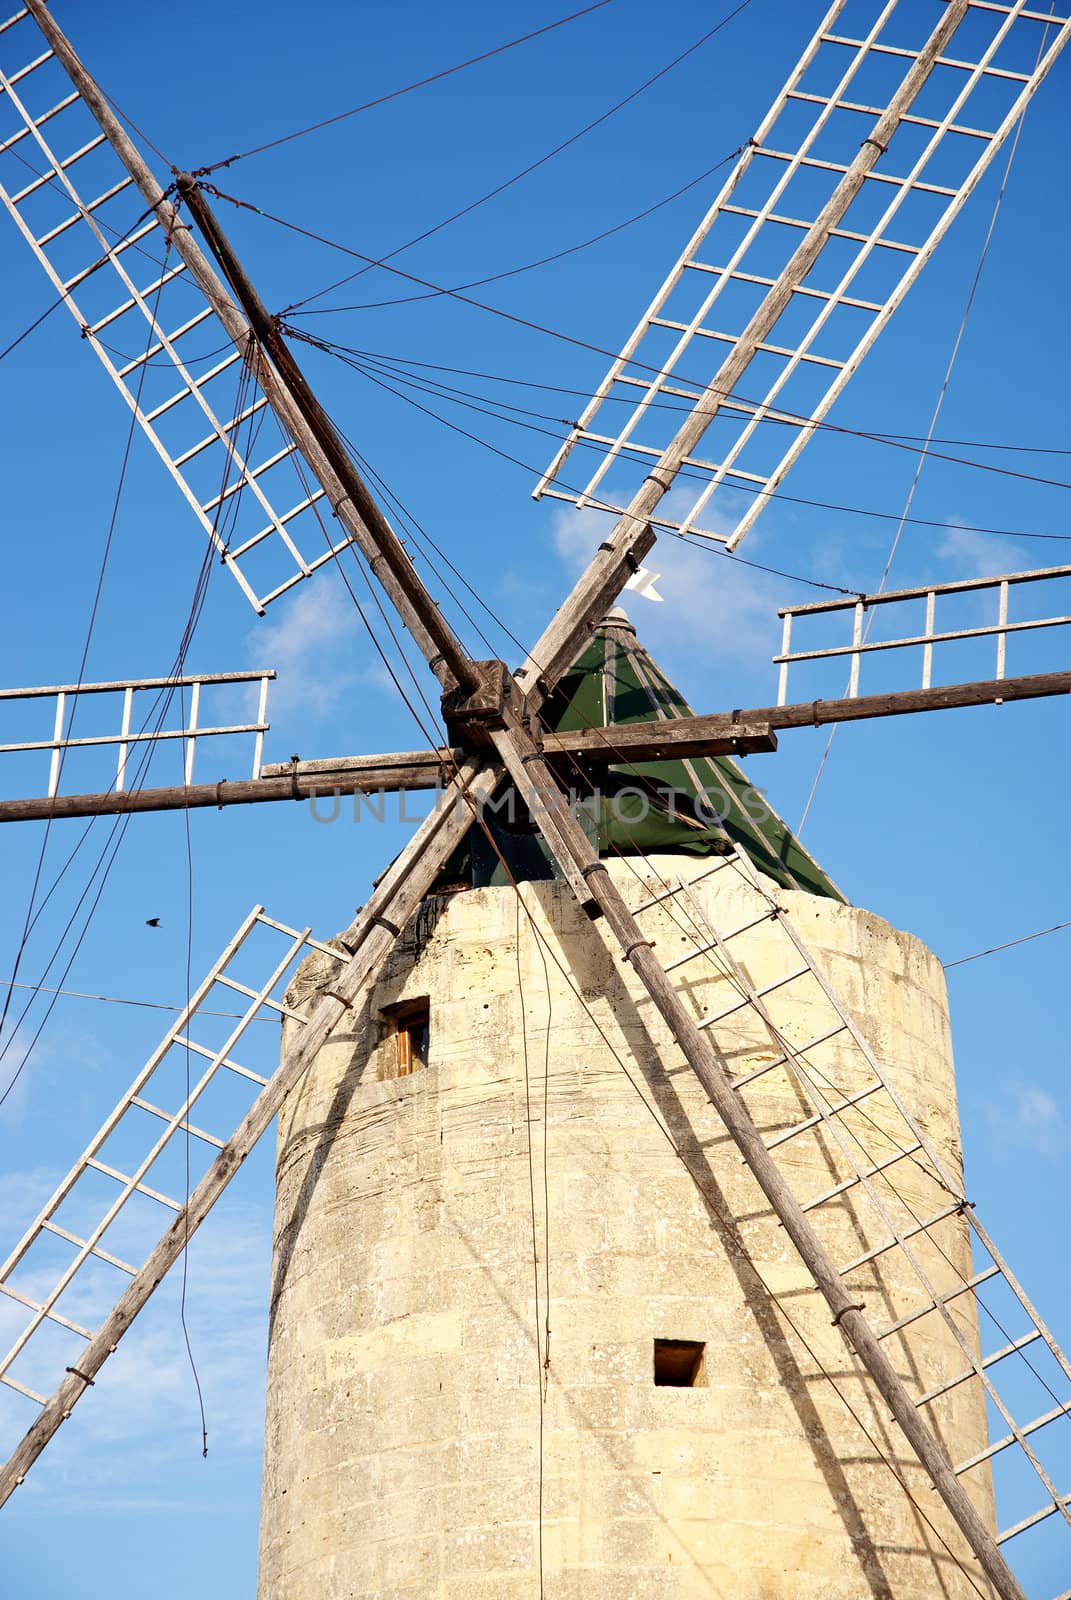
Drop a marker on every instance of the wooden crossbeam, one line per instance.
(420, 769)
(722, 733)
(706, 735)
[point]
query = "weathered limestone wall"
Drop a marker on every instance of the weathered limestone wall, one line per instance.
(405, 1428)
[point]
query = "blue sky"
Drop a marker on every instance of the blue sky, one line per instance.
(951, 825)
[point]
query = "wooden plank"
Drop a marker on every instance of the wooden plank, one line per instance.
(754, 729)
(672, 739)
(905, 702)
(328, 766)
(421, 769)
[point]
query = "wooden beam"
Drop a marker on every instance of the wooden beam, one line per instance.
(387, 558)
(673, 739)
(723, 733)
(419, 769)
(743, 732)
(905, 702)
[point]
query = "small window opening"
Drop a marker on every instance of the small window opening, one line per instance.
(678, 1363)
(407, 1027)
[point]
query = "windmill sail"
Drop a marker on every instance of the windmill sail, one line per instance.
(830, 214)
(143, 706)
(886, 1180)
(99, 1225)
(115, 252)
(916, 621)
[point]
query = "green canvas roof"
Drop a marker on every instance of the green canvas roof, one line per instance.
(638, 808)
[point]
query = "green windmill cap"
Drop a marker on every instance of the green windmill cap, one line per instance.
(693, 806)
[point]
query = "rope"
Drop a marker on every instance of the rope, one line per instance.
(769, 495)
(1011, 943)
(395, 94)
(542, 161)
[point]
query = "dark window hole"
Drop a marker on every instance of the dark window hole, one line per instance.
(678, 1363)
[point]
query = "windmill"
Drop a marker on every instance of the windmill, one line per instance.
(490, 712)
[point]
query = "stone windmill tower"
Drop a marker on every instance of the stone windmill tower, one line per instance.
(532, 1318)
(622, 1242)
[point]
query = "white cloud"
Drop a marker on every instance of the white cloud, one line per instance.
(1030, 1118)
(975, 555)
(726, 608)
(313, 644)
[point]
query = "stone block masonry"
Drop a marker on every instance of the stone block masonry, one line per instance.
(409, 1452)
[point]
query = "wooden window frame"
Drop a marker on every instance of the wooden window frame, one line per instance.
(407, 1024)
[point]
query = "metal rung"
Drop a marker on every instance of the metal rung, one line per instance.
(280, 522)
(132, 1183)
(142, 295)
(31, 1394)
(61, 105)
(757, 994)
(181, 1127)
(861, 1177)
(873, 176)
(821, 1116)
(48, 177)
(83, 1244)
(296, 577)
(255, 994)
(160, 345)
(911, 1233)
(734, 407)
(879, 111)
(116, 250)
(784, 1059)
(1029, 16)
(972, 1372)
(248, 476)
(227, 427)
(300, 936)
(191, 388)
(633, 447)
(24, 72)
(942, 1300)
(11, 21)
(1013, 1438)
(179, 333)
(834, 233)
(1032, 1521)
(939, 61)
(769, 283)
(53, 1316)
(84, 213)
(732, 338)
(712, 944)
(221, 1061)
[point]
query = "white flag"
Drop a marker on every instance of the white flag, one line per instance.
(643, 582)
